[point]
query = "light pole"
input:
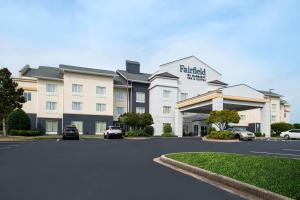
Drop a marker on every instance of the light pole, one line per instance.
(270, 93)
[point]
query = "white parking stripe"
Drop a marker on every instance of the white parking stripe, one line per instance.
(3, 148)
(269, 153)
(290, 149)
(9, 145)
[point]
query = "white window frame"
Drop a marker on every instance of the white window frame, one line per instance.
(27, 96)
(117, 108)
(52, 123)
(183, 94)
(140, 97)
(101, 88)
(51, 106)
(140, 110)
(100, 107)
(98, 125)
(167, 110)
(167, 94)
(274, 107)
(74, 108)
(54, 87)
(273, 118)
(79, 125)
(120, 94)
(243, 117)
(77, 89)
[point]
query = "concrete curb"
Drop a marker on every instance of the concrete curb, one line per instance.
(216, 140)
(231, 185)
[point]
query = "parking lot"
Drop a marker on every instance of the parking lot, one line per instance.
(114, 169)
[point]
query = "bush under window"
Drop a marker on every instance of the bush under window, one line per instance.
(225, 135)
(18, 120)
(25, 132)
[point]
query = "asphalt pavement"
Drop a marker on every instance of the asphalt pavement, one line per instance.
(114, 169)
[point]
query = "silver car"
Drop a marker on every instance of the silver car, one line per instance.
(242, 134)
(113, 132)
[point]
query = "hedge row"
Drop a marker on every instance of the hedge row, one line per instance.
(147, 132)
(25, 132)
(225, 135)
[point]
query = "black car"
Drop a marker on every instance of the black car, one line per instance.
(70, 132)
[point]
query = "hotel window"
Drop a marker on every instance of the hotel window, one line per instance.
(140, 97)
(51, 106)
(79, 125)
(100, 127)
(100, 91)
(183, 96)
(100, 107)
(77, 88)
(27, 96)
(243, 117)
(76, 105)
(273, 118)
(120, 94)
(140, 110)
(274, 107)
(167, 109)
(285, 115)
(120, 110)
(51, 88)
(166, 93)
(51, 126)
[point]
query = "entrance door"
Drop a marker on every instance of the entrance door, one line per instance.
(195, 130)
(203, 130)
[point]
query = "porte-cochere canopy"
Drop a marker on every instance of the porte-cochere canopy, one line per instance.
(239, 97)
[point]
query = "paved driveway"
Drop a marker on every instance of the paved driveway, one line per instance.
(112, 169)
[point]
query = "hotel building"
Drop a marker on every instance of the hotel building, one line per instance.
(181, 93)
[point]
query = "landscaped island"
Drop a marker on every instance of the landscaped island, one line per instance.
(279, 175)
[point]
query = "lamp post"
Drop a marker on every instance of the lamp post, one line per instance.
(270, 93)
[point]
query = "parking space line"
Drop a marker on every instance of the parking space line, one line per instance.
(9, 145)
(269, 153)
(3, 148)
(290, 149)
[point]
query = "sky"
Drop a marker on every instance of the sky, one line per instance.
(255, 42)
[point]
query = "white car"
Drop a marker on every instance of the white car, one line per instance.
(241, 133)
(113, 132)
(291, 134)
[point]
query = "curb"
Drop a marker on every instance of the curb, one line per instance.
(231, 185)
(216, 140)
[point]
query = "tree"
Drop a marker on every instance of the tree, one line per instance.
(130, 119)
(222, 118)
(11, 97)
(145, 119)
(281, 127)
(18, 120)
(297, 126)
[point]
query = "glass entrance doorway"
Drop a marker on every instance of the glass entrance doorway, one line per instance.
(203, 130)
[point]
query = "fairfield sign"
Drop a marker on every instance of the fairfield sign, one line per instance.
(194, 73)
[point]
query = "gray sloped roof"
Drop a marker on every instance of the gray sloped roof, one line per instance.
(44, 72)
(140, 77)
(217, 82)
(119, 81)
(268, 93)
(86, 70)
(165, 74)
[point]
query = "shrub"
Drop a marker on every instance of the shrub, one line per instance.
(136, 133)
(297, 126)
(25, 132)
(281, 127)
(18, 120)
(210, 129)
(149, 130)
(167, 128)
(258, 134)
(225, 135)
(167, 135)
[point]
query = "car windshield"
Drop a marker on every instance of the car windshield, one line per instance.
(239, 129)
(70, 128)
(114, 127)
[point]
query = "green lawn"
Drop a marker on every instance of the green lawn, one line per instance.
(279, 175)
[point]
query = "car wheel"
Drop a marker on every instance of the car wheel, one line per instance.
(286, 137)
(237, 136)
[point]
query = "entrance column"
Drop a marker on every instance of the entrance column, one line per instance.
(217, 104)
(265, 120)
(178, 122)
